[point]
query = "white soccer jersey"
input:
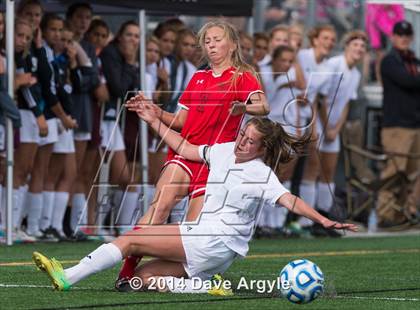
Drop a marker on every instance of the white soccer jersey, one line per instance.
(341, 87)
(235, 193)
(315, 73)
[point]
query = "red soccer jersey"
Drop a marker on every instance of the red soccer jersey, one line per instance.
(208, 98)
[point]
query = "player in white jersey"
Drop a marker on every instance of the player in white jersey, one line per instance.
(240, 173)
(322, 40)
(340, 88)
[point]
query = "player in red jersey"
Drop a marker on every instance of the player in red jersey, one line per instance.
(212, 108)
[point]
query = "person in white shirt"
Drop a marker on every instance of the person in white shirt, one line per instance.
(284, 104)
(341, 87)
(240, 173)
(322, 40)
(260, 50)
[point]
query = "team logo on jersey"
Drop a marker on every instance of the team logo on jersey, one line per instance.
(34, 61)
(200, 82)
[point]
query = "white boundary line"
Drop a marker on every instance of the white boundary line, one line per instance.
(7, 285)
(377, 298)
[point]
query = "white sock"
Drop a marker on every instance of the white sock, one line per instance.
(308, 194)
(185, 286)
(77, 214)
(17, 197)
(104, 257)
(60, 205)
(34, 212)
(325, 196)
(24, 202)
(129, 211)
(104, 206)
(275, 217)
(47, 210)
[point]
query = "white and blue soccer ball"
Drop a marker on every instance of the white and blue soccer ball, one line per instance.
(302, 281)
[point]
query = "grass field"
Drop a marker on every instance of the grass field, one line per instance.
(361, 273)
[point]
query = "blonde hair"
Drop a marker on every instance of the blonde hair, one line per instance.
(152, 39)
(353, 35)
(232, 35)
(315, 32)
(278, 28)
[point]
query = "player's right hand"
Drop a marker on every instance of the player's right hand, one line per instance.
(139, 101)
(42, 125)
(69, 122)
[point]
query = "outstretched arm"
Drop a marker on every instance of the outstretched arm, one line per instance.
(174, 140)
(298, 206)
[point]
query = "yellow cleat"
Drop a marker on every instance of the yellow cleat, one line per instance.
(54, 270)
(218, 288)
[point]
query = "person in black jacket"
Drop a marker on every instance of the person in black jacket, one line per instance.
(34, 126)
(119, 64)
(62, 164)
(79, 16)
(400, 72)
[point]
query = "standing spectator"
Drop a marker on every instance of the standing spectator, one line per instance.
(119, 64)
(98, 35)
(62, 166)
(79, 16)
(340, 88)
(401, 108)
(34, 126)
(322, 39)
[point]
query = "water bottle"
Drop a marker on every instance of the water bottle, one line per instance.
(372, 221)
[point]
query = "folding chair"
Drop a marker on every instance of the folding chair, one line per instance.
(397, 183)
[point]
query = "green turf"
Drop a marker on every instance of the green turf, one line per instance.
(362, 273)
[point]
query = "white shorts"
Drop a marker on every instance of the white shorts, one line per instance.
(29, 132)
(329, 146)
(205, 252)
(112, 139)
(2, 138)
(65, 143)
(52, 136)
(82, 136)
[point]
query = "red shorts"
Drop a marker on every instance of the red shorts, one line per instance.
(197, 171)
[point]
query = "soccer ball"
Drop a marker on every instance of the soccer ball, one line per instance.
(302, 281)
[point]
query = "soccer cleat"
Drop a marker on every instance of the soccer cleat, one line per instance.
(19, 236)
(218, 288)
(54, 270)
(123, 285)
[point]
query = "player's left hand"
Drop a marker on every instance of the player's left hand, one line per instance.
(237, 108)
(336, 225)
(331, 134)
